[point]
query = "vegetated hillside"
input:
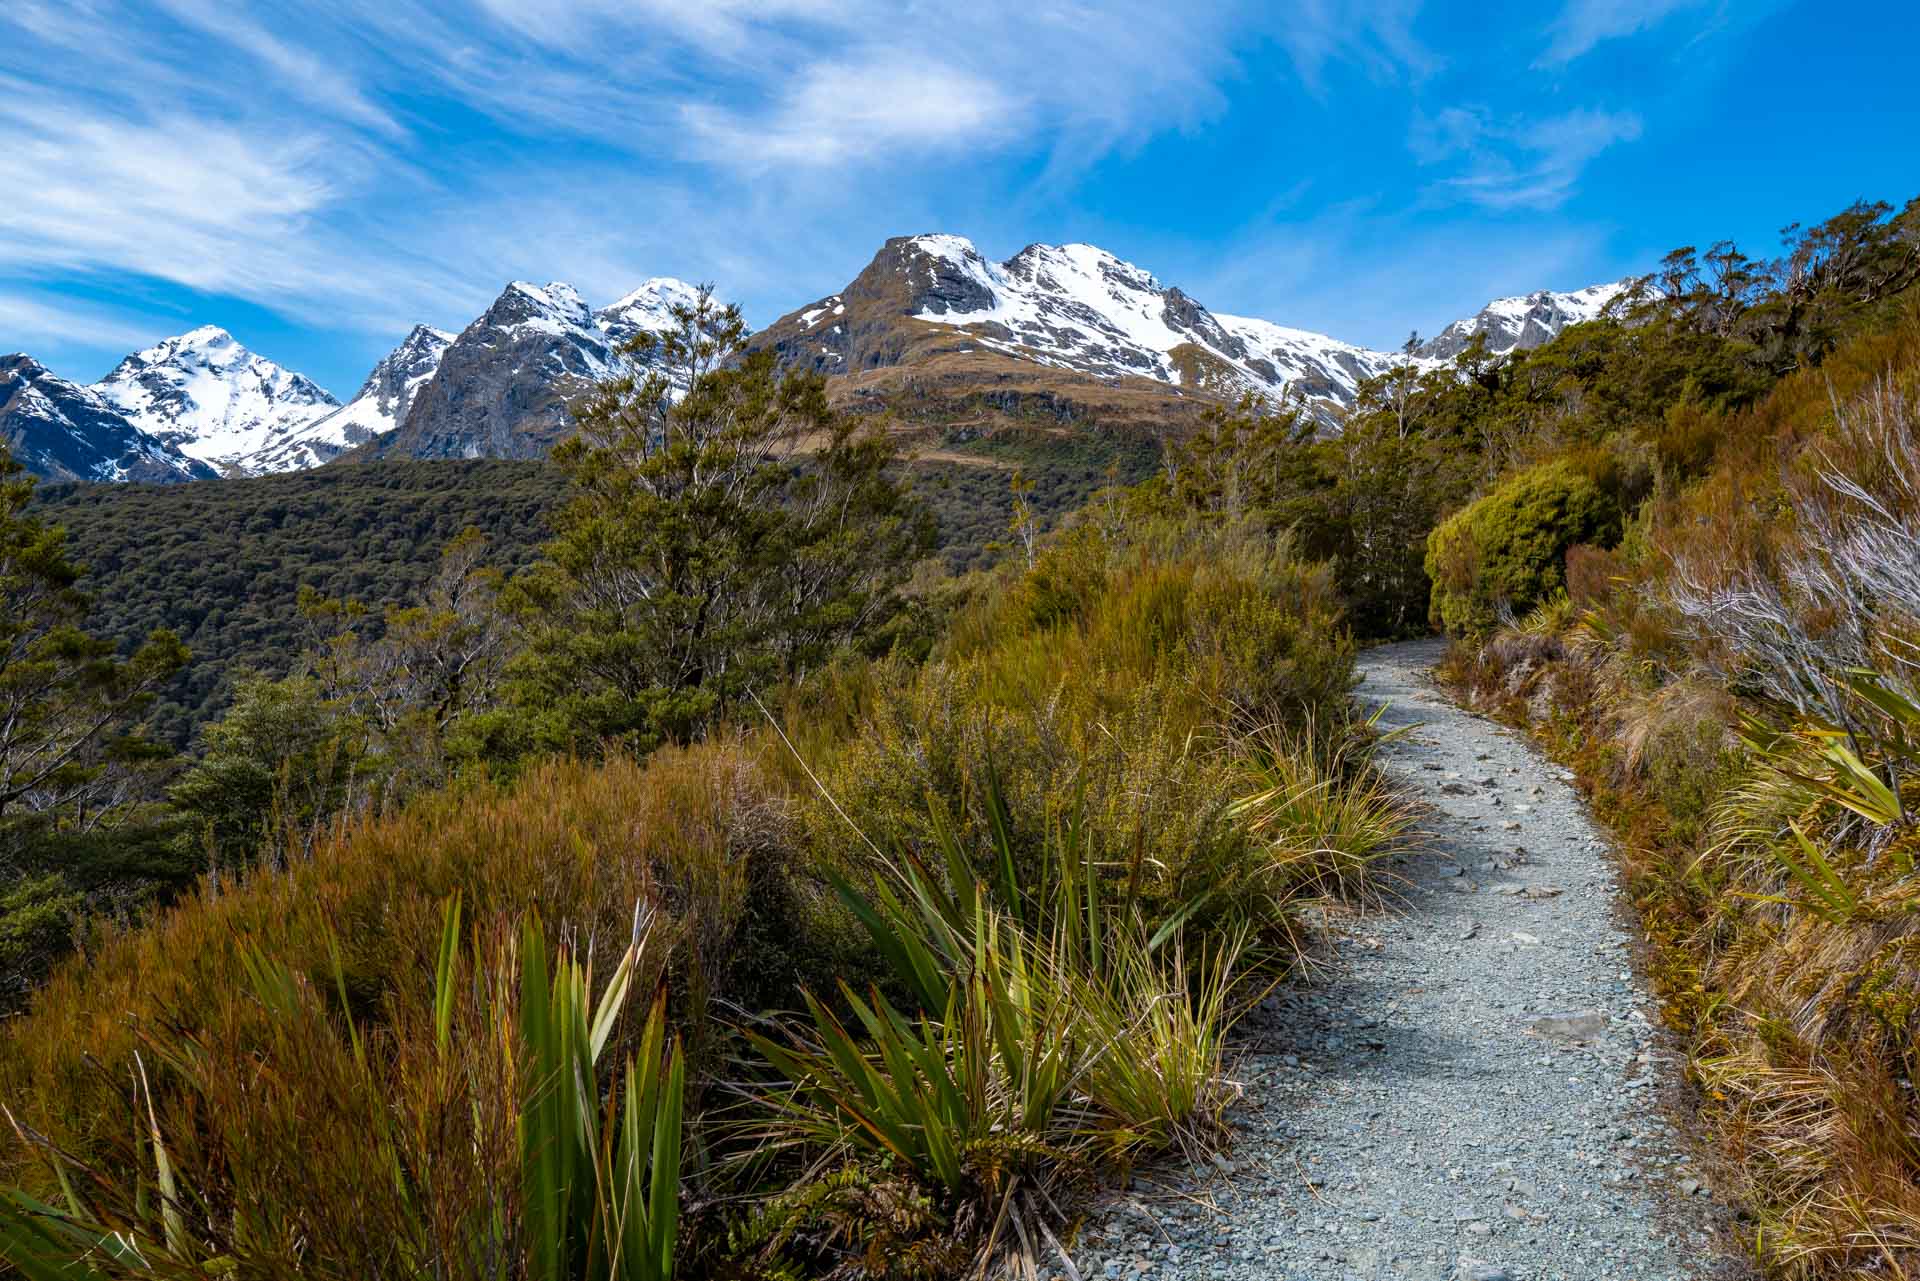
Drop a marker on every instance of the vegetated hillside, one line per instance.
(1711, 595)
(1122, 866)
(967, 480)
(222, 562)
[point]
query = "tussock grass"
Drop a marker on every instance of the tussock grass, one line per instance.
(1323, 814)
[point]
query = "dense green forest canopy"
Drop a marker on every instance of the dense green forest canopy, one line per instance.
(222, 562)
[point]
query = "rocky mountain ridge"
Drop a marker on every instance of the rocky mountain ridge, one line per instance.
(61, 431)
(500, 388)
(931, 329)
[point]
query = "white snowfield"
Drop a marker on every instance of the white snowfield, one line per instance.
(211, 398)
(1079, 307)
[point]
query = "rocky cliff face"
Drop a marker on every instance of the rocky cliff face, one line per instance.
(206, 395)
(61, 431)
(501, 388)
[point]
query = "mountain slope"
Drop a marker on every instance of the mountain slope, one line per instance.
(500, 388)
(62, 431)
(932, 331)
(380, 406)
(206, 395)
(1525, 321)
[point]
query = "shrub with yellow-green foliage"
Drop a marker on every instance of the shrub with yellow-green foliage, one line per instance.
(1112, 687)
(1505, 553)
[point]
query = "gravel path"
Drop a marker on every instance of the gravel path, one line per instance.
(1473, 1090)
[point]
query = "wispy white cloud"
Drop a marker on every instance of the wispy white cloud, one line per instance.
(1584, 24)
(1377, 37)
(837, 112)
(315, 81)
(36, 325)
(1532, 165)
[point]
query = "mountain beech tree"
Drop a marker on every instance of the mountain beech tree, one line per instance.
(73, 767)
(727, 530)
(68, 704)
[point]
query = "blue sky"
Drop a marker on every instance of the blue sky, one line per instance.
(317, 176)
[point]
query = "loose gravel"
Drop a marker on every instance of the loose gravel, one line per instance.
(1471, 1090)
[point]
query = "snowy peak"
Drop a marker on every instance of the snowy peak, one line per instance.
(554, 308)
(62, 431)
(1524, 321)
(383, 400)
(206, 395)
(1079, 307)
(647, 309)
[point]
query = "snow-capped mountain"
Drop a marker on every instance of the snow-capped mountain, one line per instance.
(1524, 321)
(646, 308)
(379, 407)
(1079, 308)
(500, 389)
(1074, 308)
(211, 398)
(62, 431)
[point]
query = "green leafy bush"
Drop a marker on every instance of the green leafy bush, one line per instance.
(1507, 551)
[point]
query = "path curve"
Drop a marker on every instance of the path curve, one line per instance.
(1472, 1091)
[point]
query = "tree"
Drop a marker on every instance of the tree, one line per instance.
(74, 768)
(727, 530)
(1230, 465)
(70, 748)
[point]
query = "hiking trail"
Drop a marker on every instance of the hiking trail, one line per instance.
(1473, 1090)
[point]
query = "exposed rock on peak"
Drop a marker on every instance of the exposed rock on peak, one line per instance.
(61, 431)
